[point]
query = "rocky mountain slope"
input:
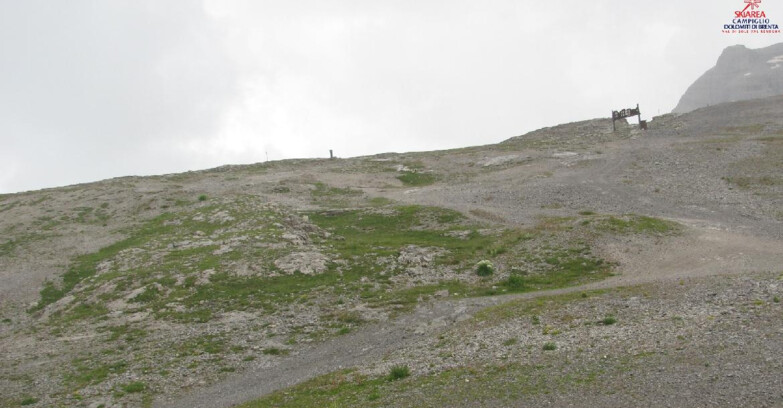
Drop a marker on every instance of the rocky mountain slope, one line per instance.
(740, 74)
(622, 268)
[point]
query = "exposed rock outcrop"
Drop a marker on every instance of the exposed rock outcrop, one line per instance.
(739, 74)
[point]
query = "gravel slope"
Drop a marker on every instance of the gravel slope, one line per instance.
(717, 171)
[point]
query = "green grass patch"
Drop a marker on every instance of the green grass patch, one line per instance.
(335, 197)
(274, 351)
(84, 266)
(399, 372)
(85, 372)
(462, 386)
(746, 129)
(229, 292)
(562, 267)
(81, 311)
(10, 246)
(383, 232)
(208, 344)
(417, 179)
(180, 272)
(380, 201)
(197, 315)
(637, 224)
(125, 332)
(9, 206)
(514, 283)
(403, 300)
(623, 224)
(484, 268)
(324, 190)
(530, 307)
(771, 138)
(163, 235)
(134, 387)
(746, 182)
(347, 317)
(609, 320)
(149, 294)
(28, 401)
(365, 235)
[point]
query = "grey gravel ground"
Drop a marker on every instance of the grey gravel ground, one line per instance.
(667, 172)
(717, 171)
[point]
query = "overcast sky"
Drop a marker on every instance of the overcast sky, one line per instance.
(97, 89)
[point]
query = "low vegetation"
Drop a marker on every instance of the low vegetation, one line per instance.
(368, 251)
(608, 320)
(136, 386)
(399, 372)
(485, 268)
(416, 178)
(447, 388)
(28, 401)
(186, 267)
(189, 265)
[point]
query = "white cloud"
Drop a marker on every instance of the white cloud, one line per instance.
(91, 90)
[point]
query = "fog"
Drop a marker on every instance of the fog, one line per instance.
(97, 89)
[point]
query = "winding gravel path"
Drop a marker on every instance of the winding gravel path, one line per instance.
(701, 252)
(657, 173)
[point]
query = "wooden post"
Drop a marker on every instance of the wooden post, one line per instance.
(639, 116)
(613, 128)
(331, 155)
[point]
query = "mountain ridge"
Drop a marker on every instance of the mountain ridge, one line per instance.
(739, 74)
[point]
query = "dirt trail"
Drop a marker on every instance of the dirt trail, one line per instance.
(717, 241)
(703, 251)
(715, 171)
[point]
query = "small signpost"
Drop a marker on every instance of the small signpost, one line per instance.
(625, 113)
